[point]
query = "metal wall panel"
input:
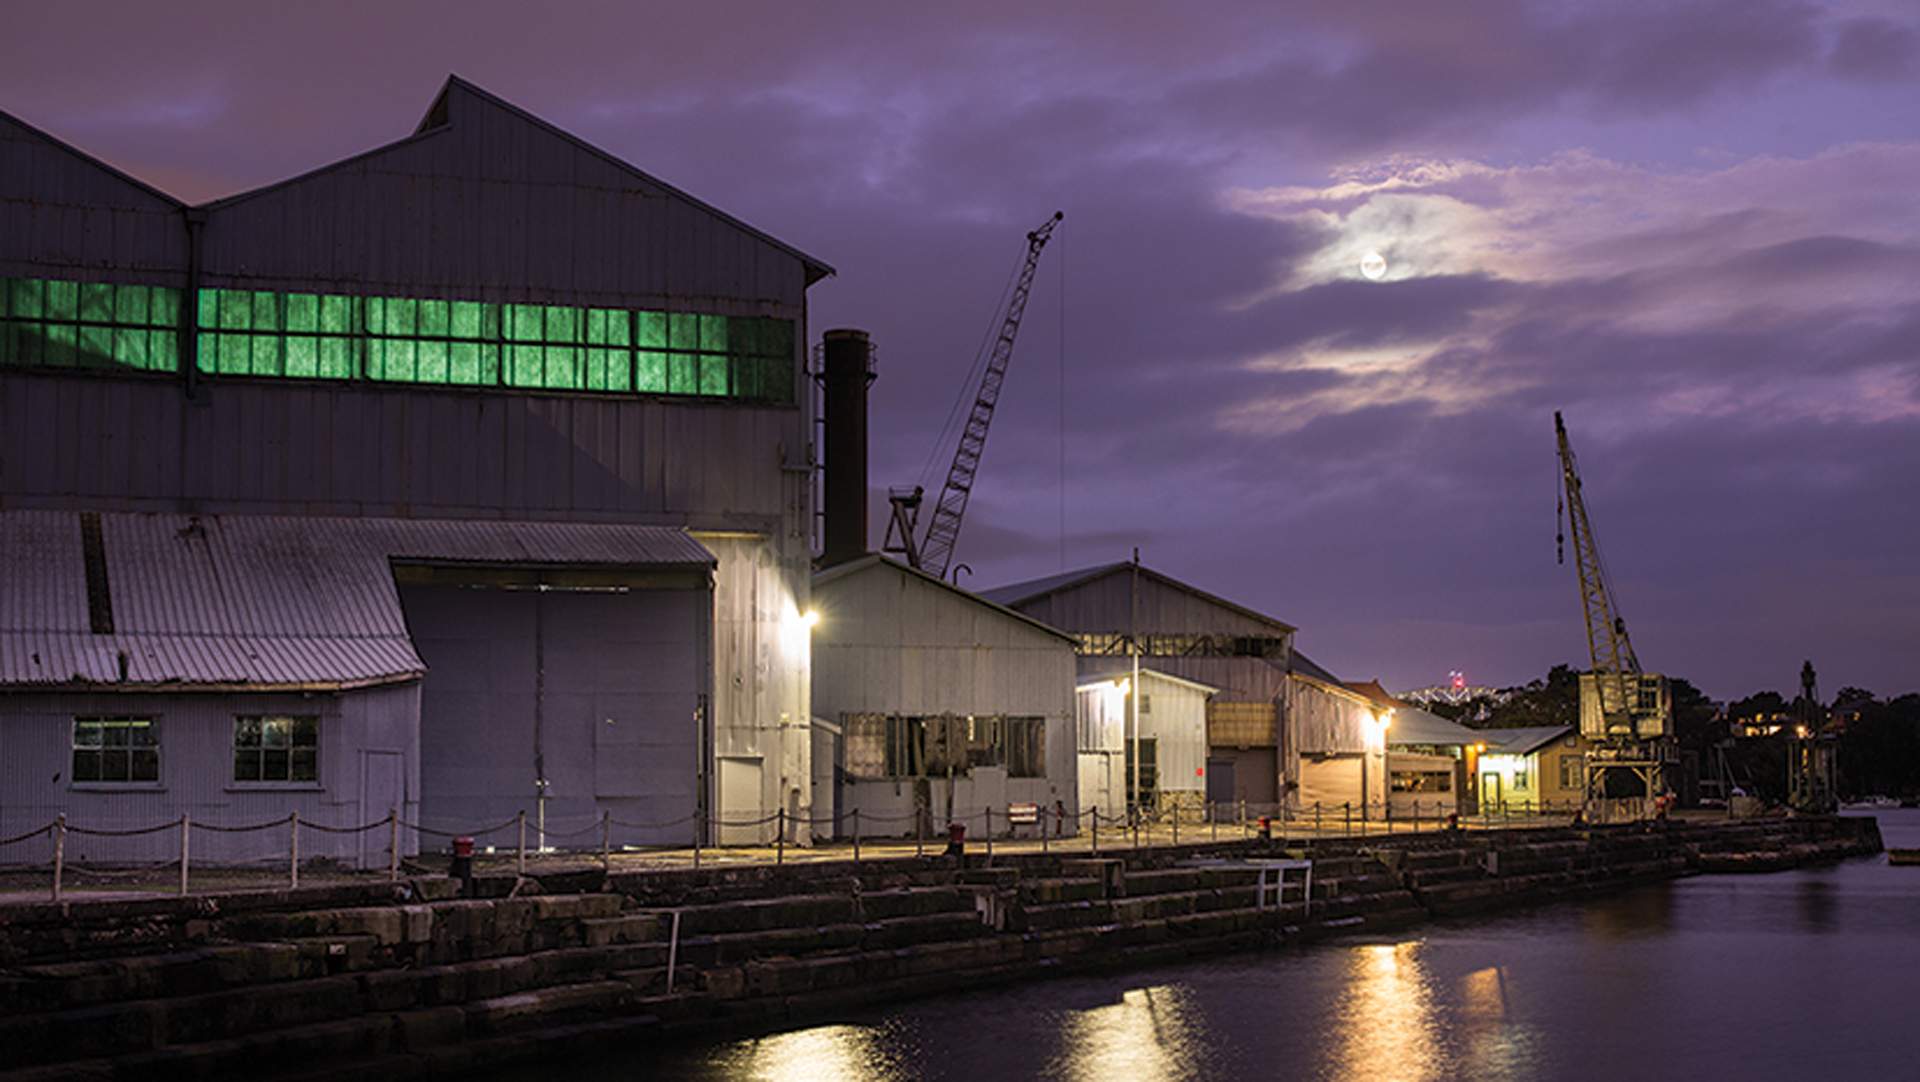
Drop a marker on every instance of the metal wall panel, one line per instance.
(196, 774)
(890, 642)
(1105, 604)
(496, 206)
(407, 452)
(66, 215)
(614, 680)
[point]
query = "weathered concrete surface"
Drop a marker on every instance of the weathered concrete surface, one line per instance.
(405, 981)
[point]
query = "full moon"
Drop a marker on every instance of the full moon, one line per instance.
(1374, 266)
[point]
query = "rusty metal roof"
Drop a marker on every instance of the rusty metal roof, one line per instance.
(257, 601)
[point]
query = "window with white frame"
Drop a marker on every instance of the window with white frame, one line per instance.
(116, 749)
(276, 748)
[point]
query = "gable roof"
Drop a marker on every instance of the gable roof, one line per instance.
(1095, 670)
(1021, 593)
(68, 148)
(440, 116)
(1303, 665)
(1523, 741)
(1414, 726)
(872, 560)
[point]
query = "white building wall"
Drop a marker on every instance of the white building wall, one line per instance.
(890, 642)
(761, 686)
(196, 776)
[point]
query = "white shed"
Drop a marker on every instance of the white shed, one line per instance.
(1172, 732)
(951, 707)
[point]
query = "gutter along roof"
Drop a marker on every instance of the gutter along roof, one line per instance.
(252, 602)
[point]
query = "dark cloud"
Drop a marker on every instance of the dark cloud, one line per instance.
(1875, 49)
(1369, 461)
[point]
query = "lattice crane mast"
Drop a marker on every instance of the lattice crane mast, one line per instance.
(934, 553)
(1626, 713)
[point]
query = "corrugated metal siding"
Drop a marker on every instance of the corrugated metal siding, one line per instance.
(1177, 721)
(1325, 721)
(1104, 603)
(65, 215)
(494, 206)
(286, 448)
(615, 680)
(196, 771)
(889, 642)
(259, 600)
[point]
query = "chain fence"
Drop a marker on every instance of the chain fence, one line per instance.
(856, 835)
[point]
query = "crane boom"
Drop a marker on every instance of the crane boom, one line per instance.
(1614, 662)
(943, 532)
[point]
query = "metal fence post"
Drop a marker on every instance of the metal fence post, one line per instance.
(1316, 818)
(1042, 820)
(59, 852)
(606, 841)
(856, 835)
(987, 812)
(1347, 811)
(520, 853)
(1176, 822)
(780, 836)
(393, 845)
(293, 850)
(698, 823)
(1096, 830)
(186, 831)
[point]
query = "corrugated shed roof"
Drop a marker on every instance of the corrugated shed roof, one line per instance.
(873, 559)
(1020, 593)
(1413, 726)
(1523, 741)
(1095, 669)
(259, 600)
(1305, 666)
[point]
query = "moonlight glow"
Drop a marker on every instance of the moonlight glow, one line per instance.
(1374, 266)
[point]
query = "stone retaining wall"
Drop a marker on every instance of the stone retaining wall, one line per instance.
(410, 980)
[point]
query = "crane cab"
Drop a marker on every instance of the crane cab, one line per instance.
(1646, 713)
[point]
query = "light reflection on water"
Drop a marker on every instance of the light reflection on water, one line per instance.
(1750, 977)
(1150, 1034)
(1384, 1028)
(811, 1055)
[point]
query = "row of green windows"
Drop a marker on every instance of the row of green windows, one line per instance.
(399, 339)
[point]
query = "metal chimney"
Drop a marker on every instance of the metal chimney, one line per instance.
(849, 369)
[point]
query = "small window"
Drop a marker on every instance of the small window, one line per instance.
(1146, 702)
(1573, 772)
(116, 750)
(276, 748)
(1520, 779)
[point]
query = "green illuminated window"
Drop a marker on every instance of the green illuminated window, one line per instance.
(323, 336)
(101, 325)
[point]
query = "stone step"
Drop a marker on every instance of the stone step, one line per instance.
(1047, 891)
(762, 914)
(914, 901)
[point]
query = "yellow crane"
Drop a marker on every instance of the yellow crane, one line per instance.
(1625, 714)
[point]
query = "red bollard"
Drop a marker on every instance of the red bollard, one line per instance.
(956, 839)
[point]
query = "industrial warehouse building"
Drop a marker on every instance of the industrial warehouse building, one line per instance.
(1269, 729)
(950, 708)
(463, 477)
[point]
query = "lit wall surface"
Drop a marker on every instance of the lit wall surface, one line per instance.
(87, 325)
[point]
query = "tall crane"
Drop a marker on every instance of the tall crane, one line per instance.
(1625, 713)
(934, 553)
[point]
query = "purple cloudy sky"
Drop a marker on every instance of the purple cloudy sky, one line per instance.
(1693, 227)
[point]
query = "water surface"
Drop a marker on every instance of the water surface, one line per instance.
(1798, 975)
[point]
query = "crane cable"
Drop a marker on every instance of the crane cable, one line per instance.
(963, 399)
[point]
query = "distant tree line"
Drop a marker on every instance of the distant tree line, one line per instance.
(1878, 740)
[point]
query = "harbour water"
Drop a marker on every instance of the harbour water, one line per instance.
(1790, 975)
